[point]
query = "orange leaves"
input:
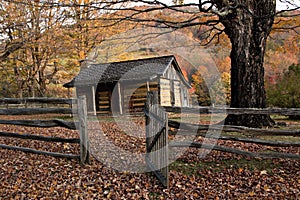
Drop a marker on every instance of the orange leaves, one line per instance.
(217, 176)
(251, 194)
(240, 170)
(224, 64)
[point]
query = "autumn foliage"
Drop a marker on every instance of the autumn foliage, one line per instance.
(42, 45)
(285, 91)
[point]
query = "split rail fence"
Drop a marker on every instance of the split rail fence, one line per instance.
(34, 106)
(159, 147)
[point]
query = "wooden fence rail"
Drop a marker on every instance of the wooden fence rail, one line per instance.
(187, 129)
(35, 111)
(40, 100)
(82, 123)
(29, 150)
(235, 111)
(238, 139)
(228, 128)
(42, 123)
(39, 137)
(236, 151)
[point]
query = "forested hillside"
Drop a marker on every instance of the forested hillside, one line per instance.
(42, 46)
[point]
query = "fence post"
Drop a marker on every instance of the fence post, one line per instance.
(148, 104)
(84, 140)
(157, 139)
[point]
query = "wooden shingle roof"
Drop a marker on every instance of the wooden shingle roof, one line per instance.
(141, 69)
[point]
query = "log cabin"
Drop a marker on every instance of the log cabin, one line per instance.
(121, 87)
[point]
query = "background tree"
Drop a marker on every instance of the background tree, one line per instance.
(283, 46)
(220, 90)
(80, 24)
(247, 23)
(200, 87)
(285, 92)
(33, 64)
(42, 42)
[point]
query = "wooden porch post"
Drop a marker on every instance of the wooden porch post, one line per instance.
(148, 87)
(120, 98)
(94, 100)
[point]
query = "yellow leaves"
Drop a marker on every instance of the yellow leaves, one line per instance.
(82, 55)
(266, 188)
(132, 180)
(263, 172)
(240, 170)
(66, 179)
(54, 182)
(51, 189)
(66, 146)
(281, 180)
(196, 195)
(251, 194)
(277, 187)
(16, 187)
(224, 64)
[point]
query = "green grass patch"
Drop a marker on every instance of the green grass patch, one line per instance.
(263, 137)
(235, 134)
(281, 138)
(196, 118)
(65, 117)
(218, 166)
(108, 118)
(284, 118)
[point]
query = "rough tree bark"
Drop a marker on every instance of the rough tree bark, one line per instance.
(248, 26)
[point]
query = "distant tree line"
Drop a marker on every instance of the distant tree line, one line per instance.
(286, 91)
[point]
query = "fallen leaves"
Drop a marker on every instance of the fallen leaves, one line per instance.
(217, 176)
(263, 172)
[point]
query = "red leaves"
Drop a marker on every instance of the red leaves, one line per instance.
(217, 176)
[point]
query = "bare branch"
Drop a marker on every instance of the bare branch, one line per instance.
(282, 13)
(10, 49)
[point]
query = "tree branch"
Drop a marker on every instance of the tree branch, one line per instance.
(10, 49)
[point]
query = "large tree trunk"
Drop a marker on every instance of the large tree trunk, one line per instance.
(248, 28)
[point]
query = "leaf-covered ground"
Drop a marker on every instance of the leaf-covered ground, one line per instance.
(216, 176)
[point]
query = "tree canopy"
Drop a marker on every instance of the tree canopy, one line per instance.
(43, 40)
